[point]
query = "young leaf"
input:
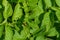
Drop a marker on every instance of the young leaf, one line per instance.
(23, 35)
(7, 9)
(16, 36)
(34, 27)
(52, 32)
(8, 33)
(46, 21)
(40, 5)
(36, 12)
(25, 32)
(17, 12)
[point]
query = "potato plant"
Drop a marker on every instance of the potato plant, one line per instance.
(29, 19)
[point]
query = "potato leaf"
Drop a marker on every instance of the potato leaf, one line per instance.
(58, 14)
(7, 9)
(25, 32)
(34, 27)
(52, 32)
(57, 2)
(40, 5)
(16, 36)
(8, 33)
(40, 38)
(46, 21)
(17, 12)
(48, 3)
(32, 3)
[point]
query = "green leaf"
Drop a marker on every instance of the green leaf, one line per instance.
(58, 14)
(32, 3)
(37, 21)
(48, 3)
(25, 32)
(8, 33)
(7, 9)
(40, 5)
(23, 35)
(36, 12)
(17, 28)
(16, 36)
(40, 38)
(17, 12)
(34, 27)
(1, 30)
(32, 38)
(46, 21)
(52, 32)
(57, 2)
(25, 6)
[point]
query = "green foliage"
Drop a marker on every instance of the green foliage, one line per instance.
(8, 32)
(29, 19)
(17, 12)
(7, 9)
(1, 30)
(57, 2)
(48, 3)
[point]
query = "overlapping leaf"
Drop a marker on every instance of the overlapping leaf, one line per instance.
(29, 19)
